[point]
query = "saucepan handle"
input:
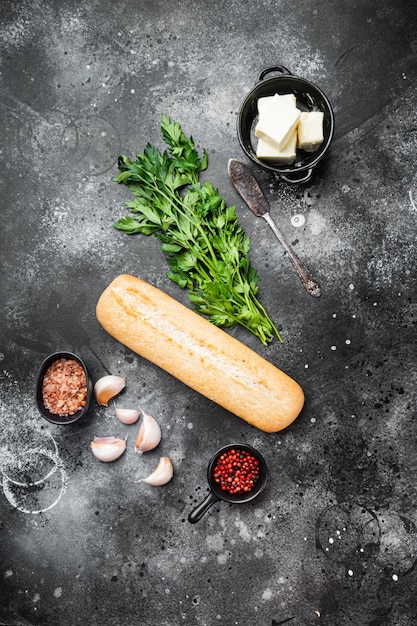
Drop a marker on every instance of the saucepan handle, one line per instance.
(274, 68)
(297, 180)
(197, 513)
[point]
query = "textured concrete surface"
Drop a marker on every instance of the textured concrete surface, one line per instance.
(333, 539)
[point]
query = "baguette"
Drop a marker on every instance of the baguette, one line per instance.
(198, 353)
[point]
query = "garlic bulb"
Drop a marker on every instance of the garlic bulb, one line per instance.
(149, 434)
(162, 474)
(107, 387)
(127, 416)
(108, 448)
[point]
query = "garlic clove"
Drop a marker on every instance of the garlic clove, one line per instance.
(127, 416)
(107, 387)
(162, 474)
(149, 434)
(108, 448)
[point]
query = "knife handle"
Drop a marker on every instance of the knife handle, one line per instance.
(311, 285)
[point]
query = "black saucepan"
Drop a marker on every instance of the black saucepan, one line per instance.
(309, 98)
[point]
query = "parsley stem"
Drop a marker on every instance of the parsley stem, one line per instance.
(182, 209)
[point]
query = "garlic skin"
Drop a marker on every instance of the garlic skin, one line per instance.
(149, 434)
(107, 387)
(127, 416)
(162, 474)
(108, 449)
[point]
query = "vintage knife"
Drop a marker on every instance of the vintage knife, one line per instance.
(248, 188)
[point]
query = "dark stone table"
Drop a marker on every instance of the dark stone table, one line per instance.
(333, 538)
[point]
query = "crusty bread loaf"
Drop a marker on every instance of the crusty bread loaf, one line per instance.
(202, 356)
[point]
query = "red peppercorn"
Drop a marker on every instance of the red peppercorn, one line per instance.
(236, 471)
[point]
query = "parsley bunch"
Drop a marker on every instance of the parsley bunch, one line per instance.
(207, 251)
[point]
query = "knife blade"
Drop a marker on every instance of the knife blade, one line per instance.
(250, 191)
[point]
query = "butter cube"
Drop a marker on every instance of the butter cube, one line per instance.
(277, 122)
(289, 97)
(266, 101)
(310, 130)
(285, 156)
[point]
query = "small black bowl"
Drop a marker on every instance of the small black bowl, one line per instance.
(309, 98)
(216, 493)
(53, 417)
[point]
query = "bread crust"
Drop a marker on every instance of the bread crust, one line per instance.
(201, 355)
